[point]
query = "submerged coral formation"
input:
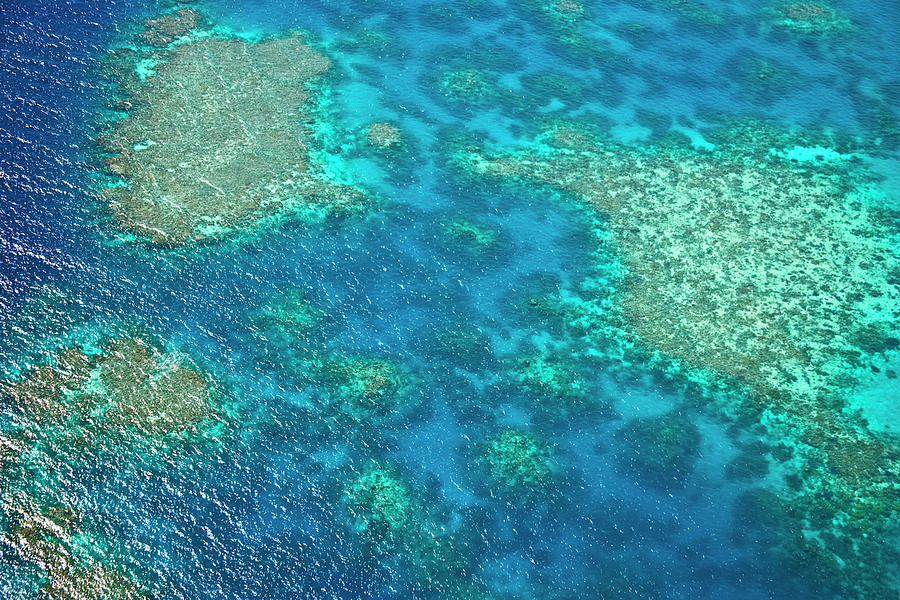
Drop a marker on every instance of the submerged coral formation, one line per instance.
(566, 9)
(663, 448)
(385, 509)
(470, 234)
(131, 384)
(469, 85)
(809, 18)
(549, 377)
(559, 382)
(218, 136)
(564, 18)
(369, 388)
(464, 344)
(769, 261)
(380, 502)
(162, 30)
(519, 459)
(384, 135)
(732, 254)
(124, 393)
(290, 313)
(70, 559)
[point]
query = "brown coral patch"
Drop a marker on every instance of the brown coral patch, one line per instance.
(166, 28)
(384, 135)
(218, 139)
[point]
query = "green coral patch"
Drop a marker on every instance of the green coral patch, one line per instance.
(817, 18)
(380, 502)
(290, 313)
(384, 135)
(470, 85)
(519, 459)
(368, 388)
(469, 234)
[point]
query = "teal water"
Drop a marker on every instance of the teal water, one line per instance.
(259, 506)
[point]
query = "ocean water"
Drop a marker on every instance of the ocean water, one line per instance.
(650, 482)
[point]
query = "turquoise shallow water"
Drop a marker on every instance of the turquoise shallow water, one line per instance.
(700, 510)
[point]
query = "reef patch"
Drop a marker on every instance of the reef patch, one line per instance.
(219, 135)
(124, 394)
(767, 266)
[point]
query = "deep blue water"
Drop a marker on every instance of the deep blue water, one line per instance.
(260, 520)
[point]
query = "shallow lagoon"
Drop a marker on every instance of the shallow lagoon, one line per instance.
(643, 487)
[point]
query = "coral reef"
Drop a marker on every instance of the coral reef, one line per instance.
(816, 18)
(563, 18)
(219, 136)
(131, 384)
(469, 85)
(662, 447)
(72, 562)
(566, 9)
(384, 135)
(519, 459)
(763, 72)
(731, 258)
(464, 345)
(730, 254)
(370, 40)
(121, 394)
(162, 30)
(368, 389)
(469, 234)
(558, 382)
(289, 313)
(379, 502)
(384, 508)
(549, 376)
(288, 336)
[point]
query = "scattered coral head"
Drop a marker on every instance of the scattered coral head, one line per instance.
(467, 84)
(384, 135)
(369, 388)
(379, 501)
(568, 7)
(519, 459)
(806, 12)
(290, 313)
(470, 234)
(808, 17)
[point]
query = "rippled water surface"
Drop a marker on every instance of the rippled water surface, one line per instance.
(465, 300)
